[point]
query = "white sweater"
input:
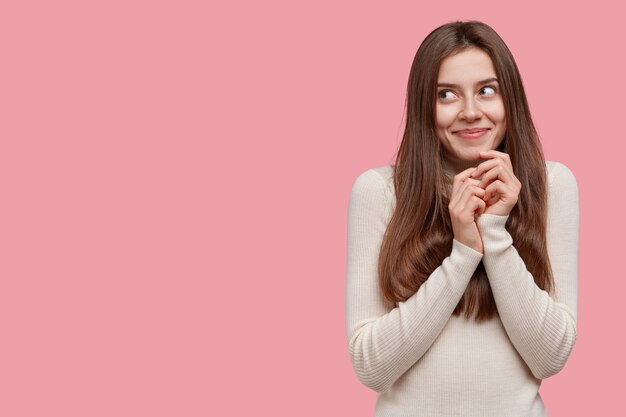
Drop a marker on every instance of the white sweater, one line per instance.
(423, 361)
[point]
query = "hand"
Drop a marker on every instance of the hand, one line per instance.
(466, 203)
(503, 190)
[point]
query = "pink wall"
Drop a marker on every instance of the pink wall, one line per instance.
(175, 180)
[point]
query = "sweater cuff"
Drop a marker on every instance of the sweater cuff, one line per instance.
(464, 259)
(493, 232)
(491, 221)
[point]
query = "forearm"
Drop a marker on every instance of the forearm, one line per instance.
(383, 347)
(542, 330)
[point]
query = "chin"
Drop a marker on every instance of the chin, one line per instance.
(470, 156)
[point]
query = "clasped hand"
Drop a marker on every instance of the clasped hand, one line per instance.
(495, 193)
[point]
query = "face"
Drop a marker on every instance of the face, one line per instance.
(468, 97)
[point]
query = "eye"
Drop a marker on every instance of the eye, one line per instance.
(442, 94)
(490, 90)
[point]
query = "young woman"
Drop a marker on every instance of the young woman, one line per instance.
(462, 257)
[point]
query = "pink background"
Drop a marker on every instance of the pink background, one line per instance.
(175, 180)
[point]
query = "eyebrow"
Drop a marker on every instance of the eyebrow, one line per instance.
(487, 80)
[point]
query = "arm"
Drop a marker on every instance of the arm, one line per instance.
(542, 329)
(384, 342)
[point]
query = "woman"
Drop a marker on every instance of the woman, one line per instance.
(462, 257)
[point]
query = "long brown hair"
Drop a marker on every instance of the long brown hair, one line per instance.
(419, 234)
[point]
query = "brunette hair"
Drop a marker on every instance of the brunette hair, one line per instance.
(419, 233)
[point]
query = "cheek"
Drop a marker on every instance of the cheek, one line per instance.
(502, 116)
(444, 116)
(502, 123)
(499, 112)
(496, 113)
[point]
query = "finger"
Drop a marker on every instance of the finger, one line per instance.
(458, 206)
(463, 189)
(459, 178)
(497, 154)
(495, 188)
(457, 183)
(467, 202)
(481, 207)
(490, 193)
(476, 206)
(497, 172)
(484, 167)
(477, 203)
(490, 164)
(466, 209)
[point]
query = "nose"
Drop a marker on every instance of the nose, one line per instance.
(471, 110)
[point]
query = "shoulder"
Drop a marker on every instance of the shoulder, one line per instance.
(373, 186)
(559, 170)
(563, 200)
(561, 179)
(377, 179)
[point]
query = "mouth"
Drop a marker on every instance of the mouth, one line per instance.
(471, 133)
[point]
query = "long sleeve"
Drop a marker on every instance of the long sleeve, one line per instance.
(384, 342)
(542, 329)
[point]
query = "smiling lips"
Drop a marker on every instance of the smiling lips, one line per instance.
(470, 133)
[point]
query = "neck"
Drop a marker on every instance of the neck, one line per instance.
(453, 167)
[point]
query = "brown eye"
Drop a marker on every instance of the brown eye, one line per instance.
(490, 90)
(442, 94)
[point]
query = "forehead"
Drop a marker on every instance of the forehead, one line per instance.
(466, 66)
